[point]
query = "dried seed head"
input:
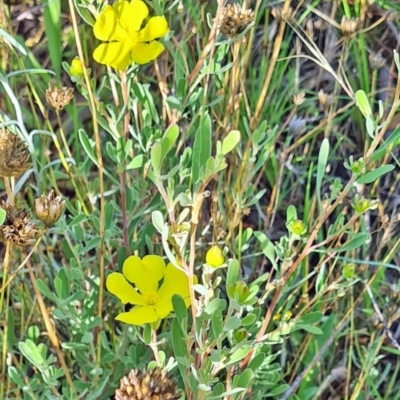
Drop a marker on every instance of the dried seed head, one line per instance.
(376, 61)
(299, 98)
(278, 14)
(233, 20)
(348, 26)
(152, 385)
(18, 227)
(325, 100)
(14, 154)
(49, 208)
(59, 98)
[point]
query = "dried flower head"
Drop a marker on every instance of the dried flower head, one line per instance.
(59, 98)
(348, 26)
(279, 15)
(299, 98)
(49, 208)
(152, 385)
(325, 100)
(17, 227)
(14, 154)
(376, 61)
(233, 20)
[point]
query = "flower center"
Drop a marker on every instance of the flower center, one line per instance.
(151, 298)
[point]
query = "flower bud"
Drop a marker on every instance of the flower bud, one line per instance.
(49, 208)
(241, 291)
(214, 257)
(76, 68)
(240, 335)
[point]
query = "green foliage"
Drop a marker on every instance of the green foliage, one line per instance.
(205, 147)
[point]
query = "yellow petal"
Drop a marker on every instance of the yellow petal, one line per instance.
(107, 28)
(155, 28)
(132, 14)
(142, 53)
(175, 282)
(116, 55)
(138, 316)
(118, 286)
(145, 273)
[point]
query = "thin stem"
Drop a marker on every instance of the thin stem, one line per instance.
(123, 183)
(154, 347)
(100, 164)
(6, 264)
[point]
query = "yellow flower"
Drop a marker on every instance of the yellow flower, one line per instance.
(120, 26)
(152, 301)
(214, 257)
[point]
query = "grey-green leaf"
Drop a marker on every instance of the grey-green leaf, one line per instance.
(201, 148)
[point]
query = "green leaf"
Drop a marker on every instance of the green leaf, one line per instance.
(312, 317)
(94, 243)
(267, 247)
(232, 323)
(86, 16)
(31, 352)
(10, 39)
(218, 390)
(158, 220)
(179, 308)
(168, 141)
(244, 378)
(201, 149)
(43, 288)
(2, 216)
(215, 304)
(87, 338)
(109, 215)
(372, 176)
(156, 158)
(230, 142)
(87, 145)
(136, 162)
(358, 240)
(238, 355)
(311, 329)
(217, 323)
(256, 362)
(61, 285)
(13, 373)
(233, 271)
(291, 214)
(278, 390)
(322, 162)
(179, 346)
(52, 24)
(363, 103)
(370, 125)
(249, 319)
